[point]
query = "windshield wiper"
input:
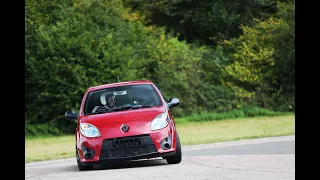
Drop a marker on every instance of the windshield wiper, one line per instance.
(141, 106)
(97, 112)
(120, 108)
(128, 107)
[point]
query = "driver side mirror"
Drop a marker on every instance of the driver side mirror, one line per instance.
(173, 102)
(71, 115)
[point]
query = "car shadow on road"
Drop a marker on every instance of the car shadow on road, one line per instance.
(135, 164)
(129, 164)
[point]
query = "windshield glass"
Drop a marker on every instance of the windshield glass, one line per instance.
(121, 98)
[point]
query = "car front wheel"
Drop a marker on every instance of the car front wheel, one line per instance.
(80, 166)
(177, 157)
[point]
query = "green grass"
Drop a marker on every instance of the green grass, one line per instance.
(47, 148)
(235, 129)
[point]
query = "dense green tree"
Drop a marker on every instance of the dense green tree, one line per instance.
(262, 60)
(212, 55)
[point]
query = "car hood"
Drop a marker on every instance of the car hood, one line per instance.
(138, 121)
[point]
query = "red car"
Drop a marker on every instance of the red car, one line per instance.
(125, 121)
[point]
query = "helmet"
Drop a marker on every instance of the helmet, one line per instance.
(109, 99)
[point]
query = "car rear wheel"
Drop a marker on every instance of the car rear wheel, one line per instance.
(80, 166)
(176, 158)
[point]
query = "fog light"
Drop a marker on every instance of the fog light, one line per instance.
(87, 152)
(166, 143)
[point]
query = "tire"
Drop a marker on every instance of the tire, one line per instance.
(80, 166)
(177, 157)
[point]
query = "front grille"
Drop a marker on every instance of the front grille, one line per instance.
(127, 147)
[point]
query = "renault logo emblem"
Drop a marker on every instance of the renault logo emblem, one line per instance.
(125, 128)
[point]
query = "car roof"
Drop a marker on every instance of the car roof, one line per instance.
(94, 88)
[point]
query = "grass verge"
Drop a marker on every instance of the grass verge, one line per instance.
(235, 129)
(48, 148)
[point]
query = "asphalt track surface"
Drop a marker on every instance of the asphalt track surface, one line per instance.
(258, 159)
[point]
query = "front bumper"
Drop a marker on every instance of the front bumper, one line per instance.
(160, 143)
(121, 160)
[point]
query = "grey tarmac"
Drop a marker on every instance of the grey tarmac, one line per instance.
(257, 159)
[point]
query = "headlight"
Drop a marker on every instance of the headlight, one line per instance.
(159, 122)
(89, 130)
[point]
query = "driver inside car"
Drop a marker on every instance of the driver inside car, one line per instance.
(109, 104)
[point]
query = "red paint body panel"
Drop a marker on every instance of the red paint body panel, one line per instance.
(138, 120)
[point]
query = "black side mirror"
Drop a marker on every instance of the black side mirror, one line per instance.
(173, 102)
(71, 115)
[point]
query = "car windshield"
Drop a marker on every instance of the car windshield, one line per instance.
(121, 98)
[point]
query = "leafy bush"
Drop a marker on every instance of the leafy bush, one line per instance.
(34, 130)
(233, 114)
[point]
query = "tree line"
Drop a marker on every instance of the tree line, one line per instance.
(215, 56)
